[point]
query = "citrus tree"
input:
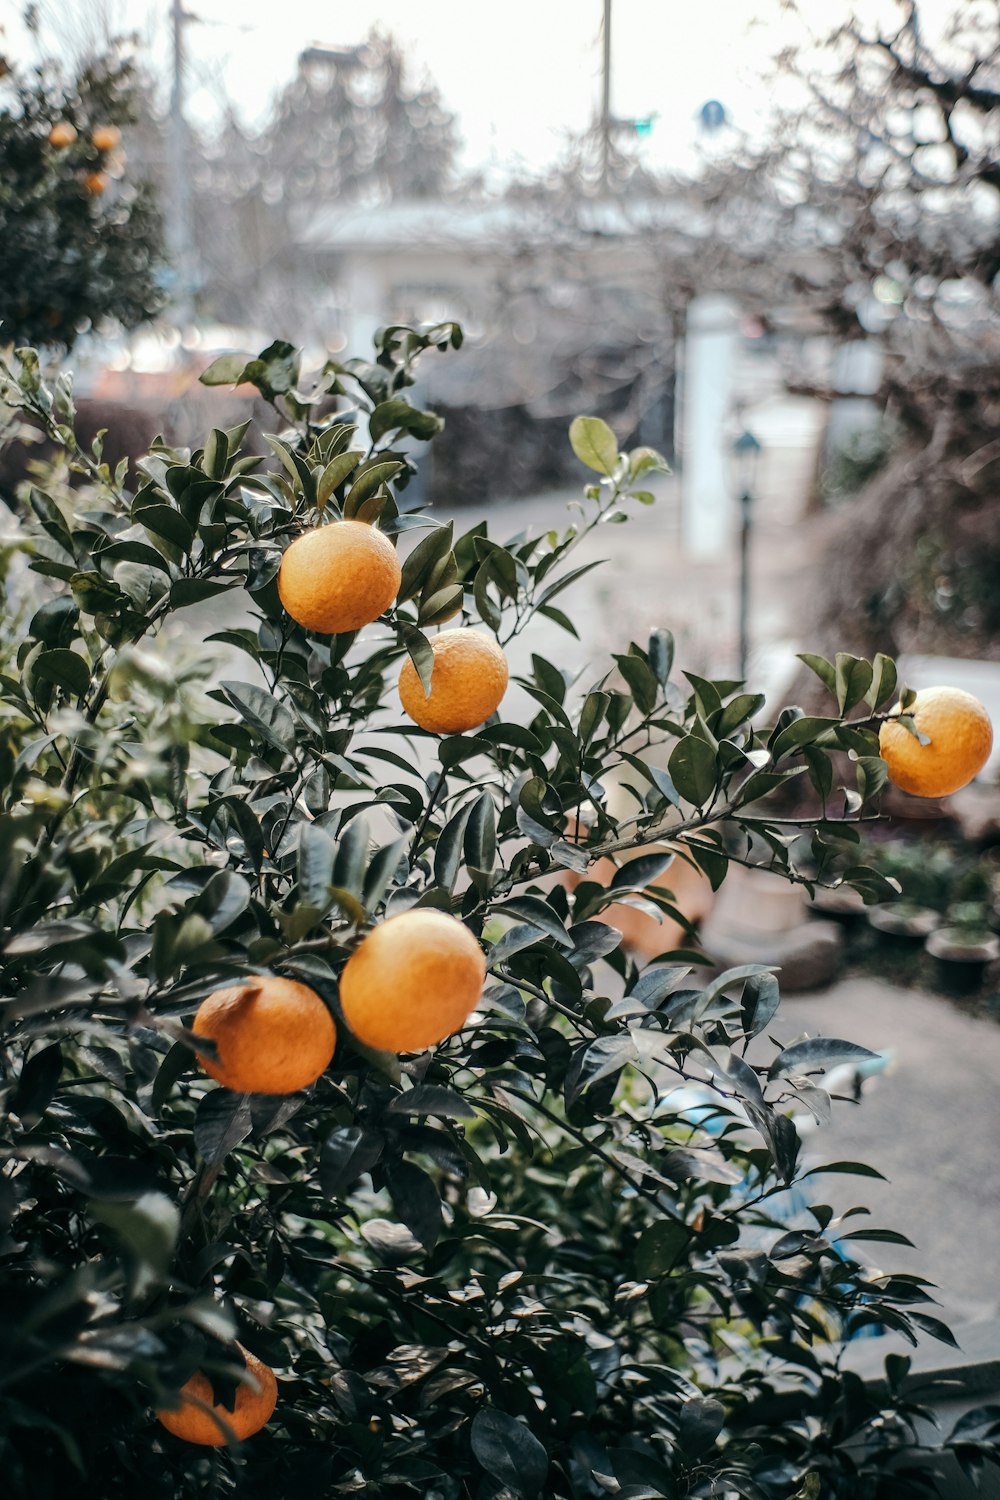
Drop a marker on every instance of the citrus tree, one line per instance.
(346, 1148)
(80, 241)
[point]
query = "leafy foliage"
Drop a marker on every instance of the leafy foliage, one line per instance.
(520, 1264)
(79, 242)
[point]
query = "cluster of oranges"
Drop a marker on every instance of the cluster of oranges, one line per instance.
(415, 978)
(340, 577)
(412, 982)
(104, 138)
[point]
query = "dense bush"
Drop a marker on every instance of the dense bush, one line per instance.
(521, 1263)
(80, 240)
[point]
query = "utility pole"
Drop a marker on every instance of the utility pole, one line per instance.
(606, 94)
(180, 228)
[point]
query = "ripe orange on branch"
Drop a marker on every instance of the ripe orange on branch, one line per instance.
(413, 981)
(959, 740)
(62, 134)
(339, 577)
(252, 1407)
(106, 137)
(272, 1036)
(468, 681)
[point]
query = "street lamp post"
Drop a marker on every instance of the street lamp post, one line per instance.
(746, 451)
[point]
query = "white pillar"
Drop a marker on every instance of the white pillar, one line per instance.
(367, 298)
(707, 502)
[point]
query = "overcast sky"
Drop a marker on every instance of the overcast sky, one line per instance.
(520, 75)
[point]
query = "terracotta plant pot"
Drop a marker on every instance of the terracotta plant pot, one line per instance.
(644, 935)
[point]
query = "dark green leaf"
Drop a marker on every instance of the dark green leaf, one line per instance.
(660, 1246)
(693, 769)
(416, 1201)
(815, 1053)
(221, 1123)
(701, 1421)
(509, 1451)
(66, 669)
(347, 1153)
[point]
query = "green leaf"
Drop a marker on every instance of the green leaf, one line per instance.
(335, 473)
(489, 612)
(481, 835)
(594, 444)
(594, 708)
(264, 714)
(149, 1225)
(509, 1452)
(418, 648)
(166, 522)
(799, 733)
(538, 913)
(700, 1422)
(825, 670)
(639, 873)
(347, 1153)
(224, 898)
(761, 997)
(400, 416)
(815, 1054)
(853, 679)
(661, 654)
(222, 1121)
(353, 853)
(226, 370)
(448, 850)
(367, 482)
(316, 854)
(275, 371)
(883, 681)
(420, 562)
(37, 1083)
(416, 1201)
(659, 1247)
(66, 669)
(693, 769)
(641, 681)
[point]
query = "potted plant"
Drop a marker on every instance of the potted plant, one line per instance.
(962, 949)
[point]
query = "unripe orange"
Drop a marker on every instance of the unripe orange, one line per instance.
(959, 735)
(468, 680)
(413, 981)
(272, 1036)
(337, 578)
(252, 1407)
(106, 137)
(62, 134)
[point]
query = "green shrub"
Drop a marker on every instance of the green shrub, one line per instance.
(514, 1265)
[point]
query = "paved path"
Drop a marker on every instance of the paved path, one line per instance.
(931, 1125)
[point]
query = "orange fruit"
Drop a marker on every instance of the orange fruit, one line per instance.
(468, 680)
(960, 738)
(412, 981)
(252, 1407)
(106, 137)
(62, 134)
(339, 577)
(95, 183)
(273, 1036)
